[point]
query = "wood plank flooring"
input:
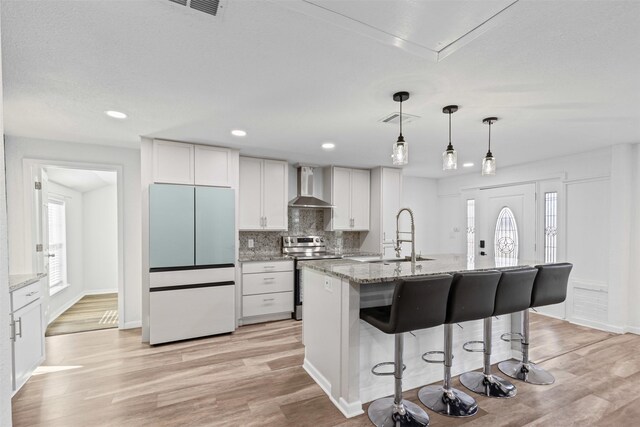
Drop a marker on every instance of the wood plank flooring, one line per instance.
(91, 313)
(254, 377)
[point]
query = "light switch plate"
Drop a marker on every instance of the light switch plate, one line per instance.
(250, 243)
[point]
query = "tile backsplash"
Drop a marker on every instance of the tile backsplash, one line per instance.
(302, 222)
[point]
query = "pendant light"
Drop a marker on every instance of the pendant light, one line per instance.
(450, 157)
(489, 162)
(400, 155)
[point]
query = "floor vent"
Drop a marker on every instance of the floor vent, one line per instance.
(206, 6)
(394, 118)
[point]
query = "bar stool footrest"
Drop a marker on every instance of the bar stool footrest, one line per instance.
(508, 336)
(428, 353)
(468, 346)
(382, 374)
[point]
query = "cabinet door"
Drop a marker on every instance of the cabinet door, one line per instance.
(341, 192)
(28, 347)
(360, 196)
(275, 194)
(171, 225)
(211, 166)
(390, 203)
(173, 162)
(215, 226)
(250, 194)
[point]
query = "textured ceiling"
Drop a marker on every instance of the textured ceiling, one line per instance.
(562, 76)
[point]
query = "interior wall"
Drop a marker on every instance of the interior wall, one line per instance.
(19, 148)
(100, 240)
(63, 299)
(421, 195)
(596, 233)
(5, 342)
(634, 278)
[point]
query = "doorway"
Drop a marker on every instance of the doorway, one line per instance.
(77, 235)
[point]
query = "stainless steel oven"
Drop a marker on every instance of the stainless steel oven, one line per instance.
(303, 248)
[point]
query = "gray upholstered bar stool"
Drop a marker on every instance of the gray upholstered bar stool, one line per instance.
(513, 295)
(550, 287)
(416, 304)
(472, 297)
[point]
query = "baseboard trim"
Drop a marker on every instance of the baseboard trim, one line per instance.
(349, 410)
(132, 325)
(632, 330)
(101, 292)
(598, 325)
(64, 308)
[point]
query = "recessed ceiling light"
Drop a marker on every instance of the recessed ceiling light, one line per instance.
(328, 145)
(115, 114)
(238, 132)
(467, 165)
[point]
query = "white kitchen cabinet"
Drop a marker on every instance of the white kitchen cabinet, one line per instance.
(263, 194)
(190, 164)
(386, 200)
(27, 332)
(348, 190)
(267, 291)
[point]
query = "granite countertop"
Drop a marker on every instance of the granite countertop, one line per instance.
(18, 281)
(262, 256)
(372, 272)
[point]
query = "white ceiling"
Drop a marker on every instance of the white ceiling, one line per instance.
(81, 180)
(562, 76)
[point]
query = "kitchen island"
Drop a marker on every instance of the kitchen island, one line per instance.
(340, 350)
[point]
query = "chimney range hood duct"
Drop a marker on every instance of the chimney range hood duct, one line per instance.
(305, 197)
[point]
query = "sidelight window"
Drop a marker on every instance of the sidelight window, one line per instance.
(57, 245)
(471, 228)
(550, 226)
(506, 238)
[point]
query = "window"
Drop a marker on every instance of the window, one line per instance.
(57, 244)
(550, 226)
(506, 238)
(471, 229)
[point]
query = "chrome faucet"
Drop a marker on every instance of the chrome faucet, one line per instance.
(399, 241)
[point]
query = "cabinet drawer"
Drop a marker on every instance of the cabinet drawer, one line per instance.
(262, 283)
(267, 267)
(26, 295)
(257, 305)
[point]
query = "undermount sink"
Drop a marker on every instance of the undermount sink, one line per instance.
(389, 261)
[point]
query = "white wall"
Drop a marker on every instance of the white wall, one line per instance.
(421, 195)
(100, 240)
(599, 188)
(633, 296)
(62, 300)
(5, 343)
(19, 148)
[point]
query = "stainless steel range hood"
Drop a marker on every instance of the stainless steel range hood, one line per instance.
(305, 197)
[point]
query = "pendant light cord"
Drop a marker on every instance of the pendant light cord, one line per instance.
(489, 135)
(449, 127)
(400, 116)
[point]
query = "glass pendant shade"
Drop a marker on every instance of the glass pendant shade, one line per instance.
(489, 164)
(400, 154)
(449, 159)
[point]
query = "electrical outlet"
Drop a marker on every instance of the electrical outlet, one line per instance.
(250, 243)
(327, 284)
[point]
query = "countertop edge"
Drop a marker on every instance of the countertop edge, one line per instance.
(19, 281)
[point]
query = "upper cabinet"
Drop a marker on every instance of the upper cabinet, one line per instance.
(348, 190)
(386, 199)
(190, 164)
(263, 194)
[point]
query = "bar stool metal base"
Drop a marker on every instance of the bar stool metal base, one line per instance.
(529, 372)
(454, 403)
(488, 385)
(385, 413)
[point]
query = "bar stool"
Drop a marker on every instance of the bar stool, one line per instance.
(472, 297)
(549, 287)
(513, 295)
(416, 304)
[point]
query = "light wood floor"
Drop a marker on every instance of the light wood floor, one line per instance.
(91, 313)
(254, 378)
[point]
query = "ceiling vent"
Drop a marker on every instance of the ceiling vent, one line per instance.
(394, 118)
(206, 6)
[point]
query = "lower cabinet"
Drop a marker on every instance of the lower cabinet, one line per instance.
(27, 333)
(267, 291)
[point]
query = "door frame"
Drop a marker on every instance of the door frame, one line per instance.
(27, 166)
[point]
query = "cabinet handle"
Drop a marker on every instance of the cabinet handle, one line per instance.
(267, 299)
(30, 294)
(265, 221)
(269, 278)
(19, 333)
(12, 325)
(269, 266)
